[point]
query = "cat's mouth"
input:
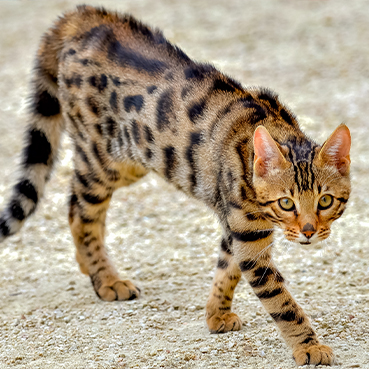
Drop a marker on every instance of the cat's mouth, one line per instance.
(305, 243)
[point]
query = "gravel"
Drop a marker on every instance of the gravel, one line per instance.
(315, 55)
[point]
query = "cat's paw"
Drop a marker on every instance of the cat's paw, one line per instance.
(315, 355)
(225, 323)
(120, 290)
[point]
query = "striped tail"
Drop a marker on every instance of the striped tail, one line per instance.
(41, 140)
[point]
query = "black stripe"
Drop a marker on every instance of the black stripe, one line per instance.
(148, 134)
(164, 110)
(247, 265)
(251, 236)
(126, 57)
(4, 229)
(170, 160)
(113, 102)
(308, 340)
(39, 149)
(82, 179)
(225, 247)
(196, 111)
(27, 189)
(93, 105)
(45, 104)
(263, 273)
(269, 294)
(111, 127)
(136, 132)
(94, 200)
(222, 264)
(270, 97)
(286, 117)
(288, 316)
(342, 199)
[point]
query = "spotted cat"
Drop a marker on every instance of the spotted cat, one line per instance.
(133, 102)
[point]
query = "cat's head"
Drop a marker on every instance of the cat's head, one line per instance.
(303, 194)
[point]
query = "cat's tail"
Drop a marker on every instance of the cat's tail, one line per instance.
(42, 138)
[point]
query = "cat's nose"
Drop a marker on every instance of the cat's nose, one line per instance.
(308, 230)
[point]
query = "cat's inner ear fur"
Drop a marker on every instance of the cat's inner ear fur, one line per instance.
(268, 153)
(336, 150)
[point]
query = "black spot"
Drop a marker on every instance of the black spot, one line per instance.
(148, 154)
(288, 316)
(148, 134)
(185, 92)
(151, 89)
(164, 110)
(16, 210)
(128, 58)
(286, 116)
(45, 104)
(75, 80)
(39, 149)
(115, 80)
(251, 236)
(27, 189)
(4, 229)
(222, 264)
(269, 294)
(98, 129)
(70, 52)
(136, 132)
(225, 247)
(93, 106)
(170, 160)
(270, 98)
(112, 127)
(196, 111)
(135, 102)
(113, 102)
(99, 82)
(247, 265)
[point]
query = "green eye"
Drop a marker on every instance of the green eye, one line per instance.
(286, 204)
(325, 202)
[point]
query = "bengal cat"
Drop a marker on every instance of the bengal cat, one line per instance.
(133, 102)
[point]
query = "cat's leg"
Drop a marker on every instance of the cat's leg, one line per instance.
(251, 250)
(87, 222)
(219, 317)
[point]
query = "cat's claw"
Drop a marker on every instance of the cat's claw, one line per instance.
(314, 355)
(225, 323)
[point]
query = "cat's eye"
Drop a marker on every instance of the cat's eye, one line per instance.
(325, 202)
(286, 204)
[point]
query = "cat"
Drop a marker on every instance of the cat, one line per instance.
(133, 103)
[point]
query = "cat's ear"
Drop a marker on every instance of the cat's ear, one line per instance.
(268, 155)
(336, 150)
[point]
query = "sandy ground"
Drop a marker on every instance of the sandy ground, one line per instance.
(315, 55)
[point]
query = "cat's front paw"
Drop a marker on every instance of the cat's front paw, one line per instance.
(225, 323)
(120, 290)
(315, 355)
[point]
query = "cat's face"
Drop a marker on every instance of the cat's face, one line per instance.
(303, 198)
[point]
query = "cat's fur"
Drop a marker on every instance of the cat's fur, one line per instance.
(132, 102)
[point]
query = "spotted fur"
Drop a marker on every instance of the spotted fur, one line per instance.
(134, 103)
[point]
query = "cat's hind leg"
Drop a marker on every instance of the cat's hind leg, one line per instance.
(88, 207)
